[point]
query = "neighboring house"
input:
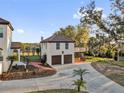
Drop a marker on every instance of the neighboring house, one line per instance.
(5, 43)
(16, 46)
(58, 49)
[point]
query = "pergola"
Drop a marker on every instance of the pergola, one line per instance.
(16, 46)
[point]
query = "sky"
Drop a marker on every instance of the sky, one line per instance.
(32, 19)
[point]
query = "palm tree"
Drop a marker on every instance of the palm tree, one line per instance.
(12, 59)
(78, 83)
(80, 72)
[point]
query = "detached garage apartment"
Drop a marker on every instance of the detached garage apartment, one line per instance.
(58, 50)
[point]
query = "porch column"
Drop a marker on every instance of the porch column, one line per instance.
(62, 58)
(19, 55)
(1, 67)
(118, 54)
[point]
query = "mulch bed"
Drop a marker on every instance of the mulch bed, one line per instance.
(114, 72)
(33, 71)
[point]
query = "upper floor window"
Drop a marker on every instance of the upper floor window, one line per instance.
(1, 54)
(66, 46)
(1, 32)
(57, 45)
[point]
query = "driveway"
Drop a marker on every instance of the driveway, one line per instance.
(96, 82)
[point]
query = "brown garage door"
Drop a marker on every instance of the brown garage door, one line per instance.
(56, 59)
(67, 59)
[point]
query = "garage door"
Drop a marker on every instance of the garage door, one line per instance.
(56, 59)
(67, 59)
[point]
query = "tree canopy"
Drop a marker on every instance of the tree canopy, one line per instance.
(113, 24)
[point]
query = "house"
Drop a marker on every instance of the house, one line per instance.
(5, 43)
(58, 49)
(120, 48)
(16, 46)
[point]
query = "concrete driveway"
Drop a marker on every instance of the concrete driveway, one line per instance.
(96, 82)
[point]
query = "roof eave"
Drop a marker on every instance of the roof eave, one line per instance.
(57, 42)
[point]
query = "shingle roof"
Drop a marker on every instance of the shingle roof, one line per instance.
(5, 22)
(57, 38)
(15, 45)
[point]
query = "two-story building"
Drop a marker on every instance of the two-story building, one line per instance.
(58, 49)
(5, 43)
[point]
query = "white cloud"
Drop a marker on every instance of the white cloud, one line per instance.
(76, 16)
(42, 32)
(104, 16)
(20, 31)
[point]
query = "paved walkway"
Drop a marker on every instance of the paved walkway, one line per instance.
(96, 82)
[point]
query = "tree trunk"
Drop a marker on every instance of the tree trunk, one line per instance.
(81, 78)
(10, 66)
(78, 89)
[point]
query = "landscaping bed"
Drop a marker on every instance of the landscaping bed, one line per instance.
(19, 72)
(59, 91)
(112, 70)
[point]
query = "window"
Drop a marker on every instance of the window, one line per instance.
(57, 45)
(66, 46)
(1, 32)
(1, 55)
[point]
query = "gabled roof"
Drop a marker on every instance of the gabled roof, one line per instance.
(15, 45)
(5, 22)
(57, 38)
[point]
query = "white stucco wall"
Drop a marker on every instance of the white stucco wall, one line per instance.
(51, 50)
(5, 44)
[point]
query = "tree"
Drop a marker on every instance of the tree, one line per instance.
(38, 51)
(68, 31)
(114, 23)
(12, 59)
(33, 51)
(82, 36)
(80, 82)
(28, 50)
(80, 72)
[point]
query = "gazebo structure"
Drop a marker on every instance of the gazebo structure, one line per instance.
(16, 46)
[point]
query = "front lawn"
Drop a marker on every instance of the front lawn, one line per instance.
(34, 58)
(120, 63)
(59, 91)
(111, 69)
(95, 59)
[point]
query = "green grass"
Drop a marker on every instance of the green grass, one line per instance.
(120, 63)
(34, 58)
(115, 76)
(95, 59)
(119, 78)
(58, 91)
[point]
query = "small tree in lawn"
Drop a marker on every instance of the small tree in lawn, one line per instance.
(38, 51)
(80, 82)
(33, 51)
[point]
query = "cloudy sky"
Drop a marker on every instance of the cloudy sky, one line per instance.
(32, 19)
